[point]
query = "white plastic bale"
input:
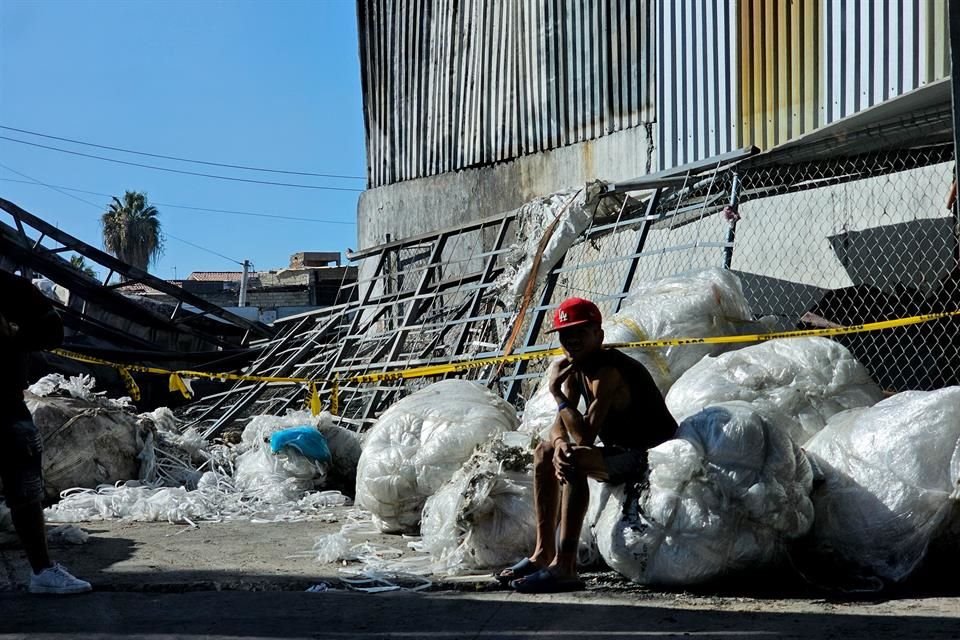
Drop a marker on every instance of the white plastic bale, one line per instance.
(418, 444)
(891, 474)
(482, 517)
(88, 440)
(276, 477)
(706, 303)
(725, 495)
(797, 383)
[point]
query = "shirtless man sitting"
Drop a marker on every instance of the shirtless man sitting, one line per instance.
(625, 410)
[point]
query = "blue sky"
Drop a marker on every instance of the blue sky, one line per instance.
(267, 83)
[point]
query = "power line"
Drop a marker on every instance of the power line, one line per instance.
(189, 173)
(190, 208)
(205, 162)
(233, 260)
(100, 208)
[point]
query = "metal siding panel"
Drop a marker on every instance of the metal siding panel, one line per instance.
(782, 63)
(448, 85)
(711, 102)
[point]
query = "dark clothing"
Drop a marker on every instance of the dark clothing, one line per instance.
(624, 465)
(38, 328)
(642, 424)
(21, 468)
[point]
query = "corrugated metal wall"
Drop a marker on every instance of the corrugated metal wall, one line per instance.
(797, 65)
(696, 95)
(450, 84)
(877, 49)
(779, 70)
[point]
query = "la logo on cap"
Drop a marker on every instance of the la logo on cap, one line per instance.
(574, 312)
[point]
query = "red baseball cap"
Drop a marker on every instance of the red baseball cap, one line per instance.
(573, 312)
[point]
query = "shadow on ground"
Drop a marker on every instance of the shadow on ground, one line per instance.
(341, 614)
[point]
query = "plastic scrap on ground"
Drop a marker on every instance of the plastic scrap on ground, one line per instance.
(162, 474)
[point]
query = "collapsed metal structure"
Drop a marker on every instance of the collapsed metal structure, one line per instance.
(103, 322)
(440, 297)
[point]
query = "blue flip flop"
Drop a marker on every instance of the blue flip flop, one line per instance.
(545, 581)
(520, 570)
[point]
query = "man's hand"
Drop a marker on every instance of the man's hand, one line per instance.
(559, 371)
(561, 460)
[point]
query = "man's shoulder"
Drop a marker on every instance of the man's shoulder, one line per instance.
(628, 366)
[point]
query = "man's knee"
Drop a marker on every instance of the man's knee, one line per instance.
(21, 467)
(543, 453)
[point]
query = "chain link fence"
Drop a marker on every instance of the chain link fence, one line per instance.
(814, 244)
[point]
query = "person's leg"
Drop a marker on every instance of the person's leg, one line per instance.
(546, 499)
(22, 474)
(28, 521)
(21, 471)
(587, 462)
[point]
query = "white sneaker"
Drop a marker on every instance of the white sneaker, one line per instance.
(57, 579)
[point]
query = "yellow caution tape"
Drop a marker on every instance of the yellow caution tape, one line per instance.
(467, 365)
(655, 354)
(177, 383)
(314, 400)
(130, 383)
(335, 397)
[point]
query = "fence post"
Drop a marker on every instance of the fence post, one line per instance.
(732, 231)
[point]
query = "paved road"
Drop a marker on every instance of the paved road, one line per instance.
(250, 615)
(244, 580)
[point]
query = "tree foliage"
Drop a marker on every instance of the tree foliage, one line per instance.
(80, 264)
(131, 230)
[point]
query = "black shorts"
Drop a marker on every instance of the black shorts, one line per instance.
(624, 465)
(21, 467)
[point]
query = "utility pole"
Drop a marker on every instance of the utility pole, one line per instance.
(243, 283)
(953, 18)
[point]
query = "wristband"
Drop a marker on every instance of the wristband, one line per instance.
(563, 405)
(554, 441)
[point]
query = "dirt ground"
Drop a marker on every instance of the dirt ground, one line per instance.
(248, 580)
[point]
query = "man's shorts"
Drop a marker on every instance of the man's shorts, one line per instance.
(21, 468)
(624, 465)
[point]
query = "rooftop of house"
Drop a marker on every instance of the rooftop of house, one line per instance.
(219, 276)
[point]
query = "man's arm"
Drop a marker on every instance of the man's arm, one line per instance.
(604, 389)
(566, 394)
(584, 429)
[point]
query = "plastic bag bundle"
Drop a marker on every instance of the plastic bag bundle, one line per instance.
(725, 495)
(80, 387)
(191, 480)
(419, 443)
(797, 383)
(890, 483)
(533, 218)
(707, 303)
(275, 478)
(482, 517)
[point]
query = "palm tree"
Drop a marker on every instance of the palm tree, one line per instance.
(131, 230)
(80, 264)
